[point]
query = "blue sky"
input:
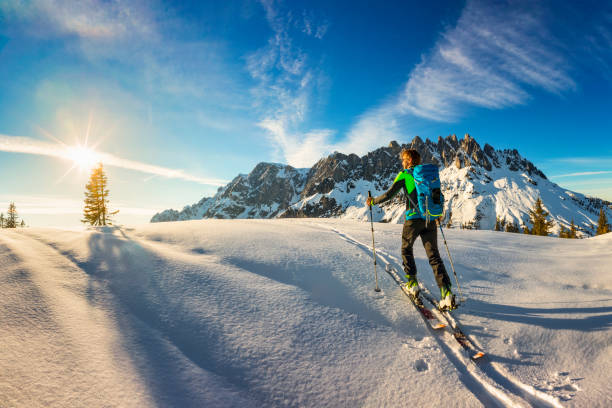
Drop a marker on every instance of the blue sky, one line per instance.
(181, 97)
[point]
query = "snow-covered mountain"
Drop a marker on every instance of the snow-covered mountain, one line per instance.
(479, 185)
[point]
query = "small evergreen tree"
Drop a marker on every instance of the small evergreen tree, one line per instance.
(602, 223)
(469, 225)
(526, 230)
(2, 220)
(11, 219)
(511, 227)
(497, 223)
(538, 217)
(572, 231)
(96, 199)
(23, 224)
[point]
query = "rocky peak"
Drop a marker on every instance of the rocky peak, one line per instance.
(323, 175)
(338, 167)
(516, 162)
(264, 171)
(266, 185)
(491, 153)
(335, 185)
(446, 151)
(473, 153)
(452, 140)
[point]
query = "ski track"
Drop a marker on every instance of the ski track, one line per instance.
(488, 393)
(501, 386)
(502, 376)
(490, 382)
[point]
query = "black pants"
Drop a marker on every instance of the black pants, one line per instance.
(429, 236)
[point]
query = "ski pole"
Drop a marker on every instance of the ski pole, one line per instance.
(451, 262)
(377, 289)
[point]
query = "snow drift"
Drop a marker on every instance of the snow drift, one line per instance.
(283, 313)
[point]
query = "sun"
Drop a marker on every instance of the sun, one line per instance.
(83, 157)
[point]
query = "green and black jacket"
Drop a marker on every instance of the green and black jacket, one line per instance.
(404, 181)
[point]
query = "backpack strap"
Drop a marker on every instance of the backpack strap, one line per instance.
(406, 175)
(408, 178)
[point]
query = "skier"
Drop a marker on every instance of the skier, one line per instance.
(415, 225)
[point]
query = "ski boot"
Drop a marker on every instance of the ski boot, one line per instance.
(447, 299)
(413, 286)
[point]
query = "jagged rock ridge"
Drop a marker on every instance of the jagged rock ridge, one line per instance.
(479, 185)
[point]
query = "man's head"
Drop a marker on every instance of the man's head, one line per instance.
(410, 158)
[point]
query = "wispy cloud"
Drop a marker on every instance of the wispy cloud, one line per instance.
(490, 58)
(493, 57)
(373, 129)
(311, 27)
(286, 81)
(592, 161)
(144, 41)
(87, 19)
(26, 145)
(584, 173)
(599, 43)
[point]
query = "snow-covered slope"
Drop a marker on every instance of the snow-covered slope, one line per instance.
(480, 185)
(201, 313)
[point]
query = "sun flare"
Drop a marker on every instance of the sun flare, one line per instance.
(83, 157)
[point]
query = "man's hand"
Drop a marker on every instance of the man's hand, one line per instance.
(369, 201)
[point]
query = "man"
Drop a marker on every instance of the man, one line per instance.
(415, 226)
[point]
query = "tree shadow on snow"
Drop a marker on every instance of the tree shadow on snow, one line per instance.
(318, 282)
(522, 361)
(154, 332)
(596, 319)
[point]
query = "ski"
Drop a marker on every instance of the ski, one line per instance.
(427, 314)
(458, 334)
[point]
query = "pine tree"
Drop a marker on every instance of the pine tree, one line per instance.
(23, 224)
(96, 199)
(538, 217)
(11, 219)
(497, 223)
(526, 230)
(2, 220)
(572, 231)
(511, 227)
(564, 233)
(602, 223)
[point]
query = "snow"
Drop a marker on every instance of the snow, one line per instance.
(474, 196)
(283, 313)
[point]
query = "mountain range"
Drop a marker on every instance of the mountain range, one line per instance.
(480, 186)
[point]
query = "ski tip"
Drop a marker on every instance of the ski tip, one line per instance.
(439, 326)
(478, 355)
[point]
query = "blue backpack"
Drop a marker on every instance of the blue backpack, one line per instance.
(429, 195)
